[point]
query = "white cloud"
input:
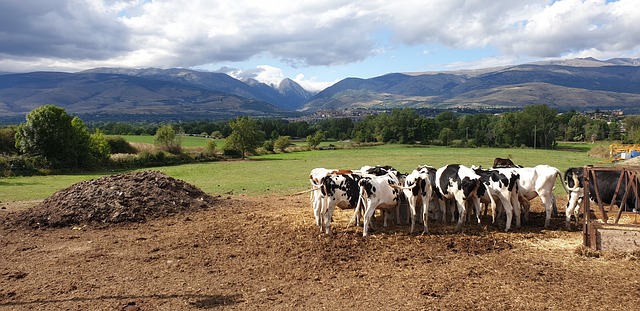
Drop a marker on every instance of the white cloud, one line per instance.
(303, 33)
(312, 84)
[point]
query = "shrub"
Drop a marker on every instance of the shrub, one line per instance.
(210, 148)
(268, 145)
(281, 143)
(119, 145)
(168, 139)
(24, 165)
(231, 153)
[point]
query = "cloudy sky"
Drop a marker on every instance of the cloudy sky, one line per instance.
(315, 43)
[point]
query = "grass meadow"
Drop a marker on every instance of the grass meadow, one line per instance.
(287, 173)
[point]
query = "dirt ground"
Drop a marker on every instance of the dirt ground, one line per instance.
(265, 253)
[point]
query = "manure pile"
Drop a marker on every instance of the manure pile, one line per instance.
(121, 198)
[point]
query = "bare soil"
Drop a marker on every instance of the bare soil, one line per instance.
(265, 253)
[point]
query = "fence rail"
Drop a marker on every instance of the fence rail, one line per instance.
(600, 231)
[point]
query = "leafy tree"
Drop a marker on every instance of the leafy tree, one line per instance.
(99, 146)
(8, 140)
(245, 135)
(50, 132)
(339, 128)
(575, 127)
(167, 139)
(217, 134)
(282, 143)
(447, 119)
(634, 136)
(81, 142)
(507, 130)
(632, 126)
(268, 145)
(314, 140)
(539, 126)
(446, 136)
(210, 148)
(427, 129)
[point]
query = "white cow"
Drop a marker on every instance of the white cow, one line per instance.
(417, 190)
(539, 181)
(315, 178)
(501, 186)
(316, 197)
(378, 192)
(338, 188)
(459, 183)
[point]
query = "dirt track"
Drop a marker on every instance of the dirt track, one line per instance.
(265, 253)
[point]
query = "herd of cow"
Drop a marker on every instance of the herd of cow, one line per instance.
(452, 190)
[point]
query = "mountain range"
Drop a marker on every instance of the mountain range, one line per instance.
(574, 84)
(181, 94)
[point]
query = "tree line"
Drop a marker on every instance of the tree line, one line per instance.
(51, 138)
(535, 126)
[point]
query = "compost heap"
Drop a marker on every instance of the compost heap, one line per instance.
(121, 198)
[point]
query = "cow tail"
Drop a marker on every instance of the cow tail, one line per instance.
(361, 197)
(559, 173)
(566, 189)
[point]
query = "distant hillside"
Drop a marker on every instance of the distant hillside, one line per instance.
(110, 96)
(280, 96)
(180, 94)
(572, 84)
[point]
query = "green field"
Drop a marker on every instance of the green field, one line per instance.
(187, 141)
(287, 173)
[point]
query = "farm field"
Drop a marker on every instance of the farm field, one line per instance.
(285, 173)
(257, 248)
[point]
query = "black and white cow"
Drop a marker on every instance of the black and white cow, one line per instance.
(502, 187)
(607, 182)
(315, 178)
(341, 189)
(378, 170)
(461, 184)
(538, 181)
(417, 190)
(378, 192)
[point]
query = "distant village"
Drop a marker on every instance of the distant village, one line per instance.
(358, 114)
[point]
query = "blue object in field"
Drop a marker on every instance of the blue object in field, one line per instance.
(635, 153)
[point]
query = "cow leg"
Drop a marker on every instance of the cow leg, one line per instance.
(452, 205)
(385, 216)
(317, 208)
(493, 209)
(554, 212)
(322, 213)
(576, 213)
(425, 213)
(419, 209)
(357, 213)
(327, 217)
(460, 203)
(572, 208)
(508, 209)
(413, 201)
(368, 214)
(517, 209)
(442, 206)
(524, 204)
(546, 199)
(476, 204)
